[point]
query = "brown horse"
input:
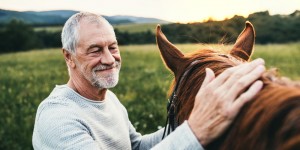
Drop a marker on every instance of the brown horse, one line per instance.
(270, 122)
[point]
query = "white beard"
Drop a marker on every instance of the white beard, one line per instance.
(105, 81)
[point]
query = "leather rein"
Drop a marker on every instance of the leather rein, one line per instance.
(171, 121)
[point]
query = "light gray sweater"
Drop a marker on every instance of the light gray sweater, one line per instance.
(66, 120)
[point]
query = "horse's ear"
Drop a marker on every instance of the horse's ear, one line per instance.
(170, 54)
(244, 43)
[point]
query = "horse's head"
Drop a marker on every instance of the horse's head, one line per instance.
(273, 105)
(198, 61)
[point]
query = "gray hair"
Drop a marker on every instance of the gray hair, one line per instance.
(69, 34)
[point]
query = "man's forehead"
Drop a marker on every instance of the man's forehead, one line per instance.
(92, 34)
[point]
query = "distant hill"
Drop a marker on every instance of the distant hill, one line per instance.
(59, 17)
(31, 17)
(137, 19)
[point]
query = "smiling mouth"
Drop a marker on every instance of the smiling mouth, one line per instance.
(105, 69)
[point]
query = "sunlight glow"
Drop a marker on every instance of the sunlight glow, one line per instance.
(170, 10)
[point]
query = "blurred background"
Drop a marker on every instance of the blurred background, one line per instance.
(31, 63)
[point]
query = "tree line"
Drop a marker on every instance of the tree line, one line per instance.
(18, 36)
(269, 29)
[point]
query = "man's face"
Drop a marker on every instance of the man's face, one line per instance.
(97, 58)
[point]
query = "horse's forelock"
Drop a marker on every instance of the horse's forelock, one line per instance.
(194, 77)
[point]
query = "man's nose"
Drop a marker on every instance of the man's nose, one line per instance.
(107, 57)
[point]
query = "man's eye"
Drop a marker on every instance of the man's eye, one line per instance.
(96, 50)
(113, 48)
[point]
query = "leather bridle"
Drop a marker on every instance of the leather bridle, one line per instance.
(171, 121)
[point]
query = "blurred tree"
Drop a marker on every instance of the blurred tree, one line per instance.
(16, 36)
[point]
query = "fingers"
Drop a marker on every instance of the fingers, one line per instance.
(243, 82)
(218, 100)
(210, 75)
(243, 70)
(223, 76)
(245, 97)
(229, 76)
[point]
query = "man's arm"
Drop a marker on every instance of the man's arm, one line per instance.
(181, 138)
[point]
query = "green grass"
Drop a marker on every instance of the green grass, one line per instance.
(133, 28)
(27, 78)
(49, 29)
(284, 57)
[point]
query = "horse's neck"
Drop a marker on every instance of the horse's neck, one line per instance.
(273, 116)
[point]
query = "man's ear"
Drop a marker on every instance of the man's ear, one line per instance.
(68, 58)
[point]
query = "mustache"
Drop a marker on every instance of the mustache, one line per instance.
(101, 67)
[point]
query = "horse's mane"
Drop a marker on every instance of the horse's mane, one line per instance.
(194, 78)
(271, 111)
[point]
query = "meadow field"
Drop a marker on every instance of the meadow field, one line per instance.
(26, 78)
(134, 28)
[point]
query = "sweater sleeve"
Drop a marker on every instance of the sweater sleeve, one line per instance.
(183, 133)
(145, 142)
(181, 138)
(153, 141)
(63, 131)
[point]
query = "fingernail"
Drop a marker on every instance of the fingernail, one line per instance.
(261, 68)
(209, 72)
(258, 85)
(206, 70)
(259, 61)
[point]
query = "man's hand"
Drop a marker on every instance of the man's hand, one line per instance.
(219, 99)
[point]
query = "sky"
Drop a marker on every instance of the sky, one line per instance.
(182, 11)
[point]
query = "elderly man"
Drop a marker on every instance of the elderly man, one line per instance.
(84, 114)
